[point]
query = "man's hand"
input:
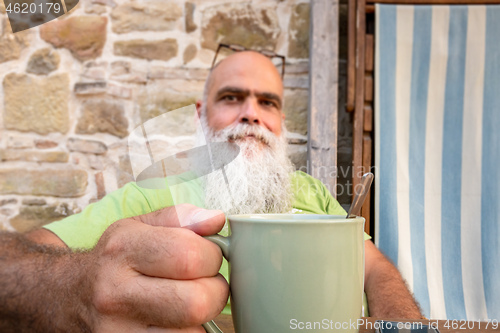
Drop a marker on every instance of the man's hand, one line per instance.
(386, 291)
(161, 276)
(138, 278)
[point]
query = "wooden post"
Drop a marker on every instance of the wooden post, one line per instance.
(351, 55)
(359, 107)
(323, 92)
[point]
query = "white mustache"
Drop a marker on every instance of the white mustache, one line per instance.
(241, 131)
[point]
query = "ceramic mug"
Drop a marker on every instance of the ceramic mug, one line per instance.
(294, 272)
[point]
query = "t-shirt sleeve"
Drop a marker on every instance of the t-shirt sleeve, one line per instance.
(333, 207)
(312, 196)
(83, 230)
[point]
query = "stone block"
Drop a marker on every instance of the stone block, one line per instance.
(296, 81)
(145, 16)
(50, 182)
(170, 73)
(297, 75)
(295, 108)
(301, 67)
(95, 161)
(298, 156)
(34, 217)
(189, 8)
(34, 156)
(103, 116)
(46, 109)
(133, 77)
(146, 49)
(34, 202)
(95, 9)
(124, 72)
(124, 163)
(240, 23)
(11, 201)
(189, 53)
(297, 141)
(100, 186)
(84, 36)
(45, 144)
(96, 74)
(95, 71)
(124, 173)
(120, 67)
(96, 64)
(11, 44)
(87, 146)
(154, 101)
(298, 32)
(19, 141)
(109, 3)
(90, 88)
(43, 61)
(80, 160)
(6, 212)
(119, 91)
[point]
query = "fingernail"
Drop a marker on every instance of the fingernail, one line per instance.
(203, 215)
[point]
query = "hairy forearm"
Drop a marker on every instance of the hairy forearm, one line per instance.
(42, 288)
(388, 295)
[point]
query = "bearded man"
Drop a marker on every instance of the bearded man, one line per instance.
(242, 104)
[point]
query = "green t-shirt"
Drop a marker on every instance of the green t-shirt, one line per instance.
(83, 230)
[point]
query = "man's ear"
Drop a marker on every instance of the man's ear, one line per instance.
(199, 105)
(282, 115)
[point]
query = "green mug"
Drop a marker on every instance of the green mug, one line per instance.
(294, 272)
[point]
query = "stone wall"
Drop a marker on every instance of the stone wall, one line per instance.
(73, 89)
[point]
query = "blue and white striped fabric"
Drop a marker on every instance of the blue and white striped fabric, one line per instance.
(437, 114)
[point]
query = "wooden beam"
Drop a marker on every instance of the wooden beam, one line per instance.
(323, 91)
(369, 52)
(357, 135)
(351, 55)
(368, 121)
(368, 87)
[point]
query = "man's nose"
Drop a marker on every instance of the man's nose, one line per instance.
(250, 112)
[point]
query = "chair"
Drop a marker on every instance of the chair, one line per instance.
(437, 145)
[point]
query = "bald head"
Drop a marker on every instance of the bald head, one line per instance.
(242, 61)
(245, 87)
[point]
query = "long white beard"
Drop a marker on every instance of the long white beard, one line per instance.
(258, 180)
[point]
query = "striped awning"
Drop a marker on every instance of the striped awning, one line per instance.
(437, 135)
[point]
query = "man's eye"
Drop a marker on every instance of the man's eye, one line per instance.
(269, 103)
(230, 98)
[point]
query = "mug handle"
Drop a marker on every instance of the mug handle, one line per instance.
(223, 243)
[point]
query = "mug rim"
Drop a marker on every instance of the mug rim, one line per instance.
(296, 218)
